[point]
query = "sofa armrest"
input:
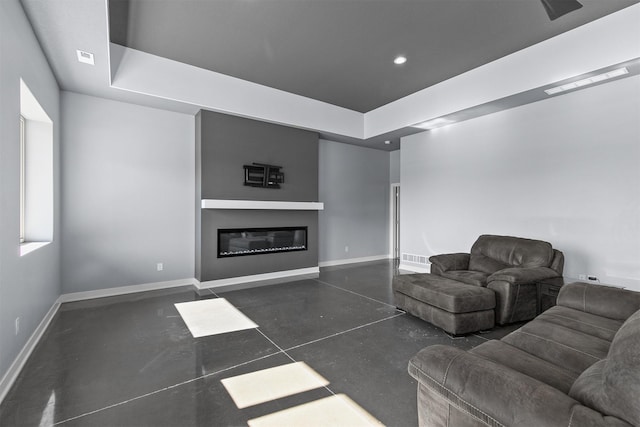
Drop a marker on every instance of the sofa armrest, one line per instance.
(606, 301)
(497, 395)
(523, 276)
(445, 262)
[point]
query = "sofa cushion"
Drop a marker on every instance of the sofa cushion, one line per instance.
(597, 326)
(564, 347)
(606, 301)
(479, 262)
(514, 251)
(612, 386)
(528, 364)
(476, 278)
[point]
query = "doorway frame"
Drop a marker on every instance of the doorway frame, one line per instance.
(392, 215)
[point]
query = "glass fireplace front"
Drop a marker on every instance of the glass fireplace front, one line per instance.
(256, 241)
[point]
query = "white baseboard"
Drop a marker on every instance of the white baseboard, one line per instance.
(123, 290)
(353, 260)
(257, 277)
(414, 268)
(17, 365)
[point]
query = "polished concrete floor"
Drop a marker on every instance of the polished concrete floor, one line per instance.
(130, 360)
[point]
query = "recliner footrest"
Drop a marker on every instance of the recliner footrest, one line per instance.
(456, 307)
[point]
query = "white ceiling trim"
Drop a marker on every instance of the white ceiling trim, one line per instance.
(610, 40)
(144, 73)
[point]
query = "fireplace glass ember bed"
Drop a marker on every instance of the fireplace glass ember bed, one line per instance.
(256, 241)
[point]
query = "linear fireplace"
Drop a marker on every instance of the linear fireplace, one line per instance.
(255, 241)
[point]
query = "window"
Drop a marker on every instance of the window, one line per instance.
(22, 180)
(36, 173)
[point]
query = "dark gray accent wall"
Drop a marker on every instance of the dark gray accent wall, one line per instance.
(220, 268)
(228, 142)
(223, 145)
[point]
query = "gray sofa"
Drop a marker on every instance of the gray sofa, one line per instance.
(510, 266)
(576, 364)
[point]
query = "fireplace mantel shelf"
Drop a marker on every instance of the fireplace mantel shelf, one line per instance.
(261, 204)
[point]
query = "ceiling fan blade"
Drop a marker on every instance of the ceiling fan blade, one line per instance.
(556, 8)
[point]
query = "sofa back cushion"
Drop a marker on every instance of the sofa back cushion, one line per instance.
(479, 262)
(612, 386)
(604, 301)
(510, 252)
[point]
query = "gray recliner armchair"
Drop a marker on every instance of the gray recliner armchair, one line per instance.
(511, 266)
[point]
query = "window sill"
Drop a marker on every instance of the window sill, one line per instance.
(28, 247)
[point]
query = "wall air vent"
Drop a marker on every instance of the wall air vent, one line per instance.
(416, 259)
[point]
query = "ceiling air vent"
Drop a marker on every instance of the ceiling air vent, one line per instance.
(85, 57)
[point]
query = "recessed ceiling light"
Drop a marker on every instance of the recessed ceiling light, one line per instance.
(399, 60)
(434, 123)
(588, 81)
(85, 57)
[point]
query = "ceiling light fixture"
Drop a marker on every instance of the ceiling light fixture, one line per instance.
(85, 57)
(399, 60)
(588, 81)
(434, 123)
(387, 142)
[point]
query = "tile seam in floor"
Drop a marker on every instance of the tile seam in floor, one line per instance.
(338, 333)
(290, 357)
(344, 332)
(277, 346)
(314, 341)
(400, 313)
(151, 393)
(354, 293)
(169, 387)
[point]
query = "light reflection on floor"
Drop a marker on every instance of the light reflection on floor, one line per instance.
(285, 380)
(212, 316)
(337, 410)
(49, 413)
(273, 383)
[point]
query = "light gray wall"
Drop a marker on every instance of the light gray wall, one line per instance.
(394, 167)
(128, 185)
(226, 143)
(354, 186)
(565, 170)
(29, 285)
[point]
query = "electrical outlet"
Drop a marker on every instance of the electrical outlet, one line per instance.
(346, 248)
(582, 277)
(17, 325)
(159, 266)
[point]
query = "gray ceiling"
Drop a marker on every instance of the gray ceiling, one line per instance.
(341, 51)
